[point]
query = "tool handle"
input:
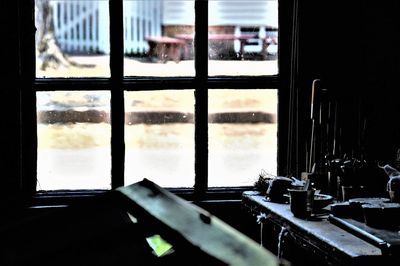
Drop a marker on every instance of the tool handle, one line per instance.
(314, 97)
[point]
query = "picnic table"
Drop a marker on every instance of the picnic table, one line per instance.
(174, 48)
(164, 48)
(267, 41)
(244, 38)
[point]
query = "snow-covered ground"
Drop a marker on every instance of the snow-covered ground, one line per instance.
(77, 155)
(98, 66)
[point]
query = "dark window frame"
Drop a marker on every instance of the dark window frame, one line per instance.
(117, 84)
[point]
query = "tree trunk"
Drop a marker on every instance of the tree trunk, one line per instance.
(48, 51)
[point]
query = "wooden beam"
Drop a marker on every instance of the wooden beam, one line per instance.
(203, 230)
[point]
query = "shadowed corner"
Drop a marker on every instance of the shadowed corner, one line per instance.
(141, 223)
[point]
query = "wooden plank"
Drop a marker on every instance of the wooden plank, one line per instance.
(197, 226)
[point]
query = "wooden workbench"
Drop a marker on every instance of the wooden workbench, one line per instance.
(315, 241)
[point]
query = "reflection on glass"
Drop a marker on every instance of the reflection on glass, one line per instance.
(158, 38)
(72, 38)
(242, 136)
(159, 137)
(74, 135)
(243, 37)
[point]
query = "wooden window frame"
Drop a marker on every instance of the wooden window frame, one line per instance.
(117, 84)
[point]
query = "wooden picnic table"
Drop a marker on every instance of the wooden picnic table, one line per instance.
(164, 47)
(174, 48)
(243, 38)
(267, 41)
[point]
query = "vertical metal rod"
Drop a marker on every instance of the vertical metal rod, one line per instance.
(312, 115)
(292, 130)
(335, 125)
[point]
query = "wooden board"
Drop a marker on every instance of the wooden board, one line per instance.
(197, 226)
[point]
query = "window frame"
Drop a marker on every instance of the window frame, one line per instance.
(117, 84)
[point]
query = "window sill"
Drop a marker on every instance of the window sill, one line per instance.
(67, 197)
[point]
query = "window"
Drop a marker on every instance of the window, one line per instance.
(184, 93)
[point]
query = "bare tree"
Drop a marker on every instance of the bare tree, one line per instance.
(48, 51)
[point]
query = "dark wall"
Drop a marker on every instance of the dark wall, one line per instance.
(10, 105)
(381, 69)
(352, 46)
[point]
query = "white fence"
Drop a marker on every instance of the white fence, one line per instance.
(141, 19)
(83, 26)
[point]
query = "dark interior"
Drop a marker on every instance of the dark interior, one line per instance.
(351, 46)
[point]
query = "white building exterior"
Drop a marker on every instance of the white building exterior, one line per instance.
(224, 13)
(83, 26)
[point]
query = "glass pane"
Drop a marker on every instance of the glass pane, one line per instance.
(243, 37)
(159, 137)
(72, 38)
(74, 135)
(242, 136)
(158, 38)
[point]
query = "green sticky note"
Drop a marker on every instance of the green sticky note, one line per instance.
(159, 245)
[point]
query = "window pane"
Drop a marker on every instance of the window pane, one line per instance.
(242, 135)
(159, 137)
(74, 135)
(243, 37)
(158, 38)
(72, 38)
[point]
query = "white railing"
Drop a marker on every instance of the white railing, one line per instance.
(83, 26)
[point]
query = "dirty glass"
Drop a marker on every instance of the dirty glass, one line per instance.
(159, 137)
(72, 38)
(242, 128)
(158, 38)
(74, 134)
(243, 37)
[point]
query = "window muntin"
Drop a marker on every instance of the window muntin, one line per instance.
(74, 132)
(157, 82)
(159, 137)
(242, 133)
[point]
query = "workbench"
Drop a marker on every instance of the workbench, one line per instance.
(315, 241)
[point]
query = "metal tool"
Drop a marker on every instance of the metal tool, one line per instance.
(314, 110)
